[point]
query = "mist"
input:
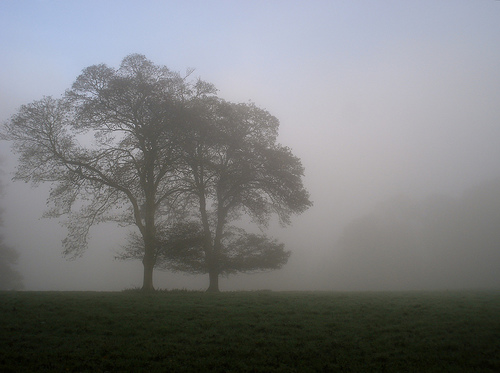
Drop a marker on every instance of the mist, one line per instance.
(392, 108)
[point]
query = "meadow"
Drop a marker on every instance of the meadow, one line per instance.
(262, 331)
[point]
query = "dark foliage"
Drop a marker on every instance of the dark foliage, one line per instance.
(181, 248)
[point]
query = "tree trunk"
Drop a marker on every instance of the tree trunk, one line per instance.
(147, 284)
(213, 267)
(214, 282)
(214, 257)
(148, 261)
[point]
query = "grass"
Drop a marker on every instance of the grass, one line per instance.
(249, 332)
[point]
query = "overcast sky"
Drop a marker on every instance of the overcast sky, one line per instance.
(378, 98)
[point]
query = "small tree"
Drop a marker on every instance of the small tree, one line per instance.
(128, 173)
(10, 278)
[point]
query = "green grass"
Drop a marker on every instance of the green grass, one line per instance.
(249, 332)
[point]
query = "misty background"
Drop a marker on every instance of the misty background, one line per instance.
(393, 108)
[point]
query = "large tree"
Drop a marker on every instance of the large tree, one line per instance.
(233, 165)
(109, 147)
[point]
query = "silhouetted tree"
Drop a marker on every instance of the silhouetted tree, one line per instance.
(109, 148)
(233, 165)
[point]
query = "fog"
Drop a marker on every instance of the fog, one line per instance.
(393, 108)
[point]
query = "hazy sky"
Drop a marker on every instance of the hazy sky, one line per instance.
(378, 98)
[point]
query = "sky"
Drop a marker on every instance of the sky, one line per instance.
(378, 99)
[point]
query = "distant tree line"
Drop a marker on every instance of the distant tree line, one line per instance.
(10, 278)
(144, 146)
(439, 242)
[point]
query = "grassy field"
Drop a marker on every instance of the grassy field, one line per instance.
(249, 332)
